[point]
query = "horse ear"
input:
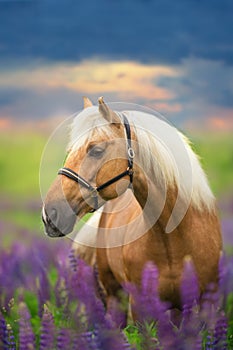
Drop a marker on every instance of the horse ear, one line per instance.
(87, 102)
(108, 114)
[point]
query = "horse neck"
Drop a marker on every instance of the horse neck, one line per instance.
(156, 202)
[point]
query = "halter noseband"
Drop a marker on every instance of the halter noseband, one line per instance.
(94, 190)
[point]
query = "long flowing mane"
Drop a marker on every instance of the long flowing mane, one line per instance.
(158, 154)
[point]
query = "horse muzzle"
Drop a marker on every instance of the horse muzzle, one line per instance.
(58, 222)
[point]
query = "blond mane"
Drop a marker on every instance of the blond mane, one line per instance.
(164, 152)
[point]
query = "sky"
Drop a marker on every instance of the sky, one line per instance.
(173, 56)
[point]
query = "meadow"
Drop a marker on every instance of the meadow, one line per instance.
(48, 296)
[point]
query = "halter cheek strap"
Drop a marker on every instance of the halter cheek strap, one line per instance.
(80, 180)
(130, 151)
(94, 190)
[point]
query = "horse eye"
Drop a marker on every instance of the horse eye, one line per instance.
(96, 152)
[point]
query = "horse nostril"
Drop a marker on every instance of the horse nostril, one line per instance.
(53, 215)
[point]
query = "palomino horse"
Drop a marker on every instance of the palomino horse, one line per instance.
(133, 227)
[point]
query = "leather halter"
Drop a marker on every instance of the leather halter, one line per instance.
(94, 190)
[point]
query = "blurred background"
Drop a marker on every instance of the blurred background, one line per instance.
(173, 56)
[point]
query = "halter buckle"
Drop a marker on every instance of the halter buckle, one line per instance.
(130, 171)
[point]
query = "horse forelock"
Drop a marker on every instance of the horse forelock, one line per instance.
(85, 125)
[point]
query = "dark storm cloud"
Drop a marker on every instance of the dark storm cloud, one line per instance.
(206, 81)
(7, 96)
(29, 104)
(162, 31)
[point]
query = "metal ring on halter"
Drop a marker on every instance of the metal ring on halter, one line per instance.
(131, 152)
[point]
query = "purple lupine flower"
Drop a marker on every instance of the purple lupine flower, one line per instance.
(3, 331)
(73, 260)
(99, 288)
(198, 342)
(43, 290)
(19, 266)
(148, 307)
(220, 332)
(105, 339)
(11, 339)
(210, 306)
(82, 287)
(60, 289)
(26, 335)
(223, 273)
(189, 288)
(24, 265)
(191, 324)
(225, 279)
(47, 333)
(146, 302)
(87, 341)
(209, 345)
(63, 339)
(10, 276)
(7, 339)
(116, 313)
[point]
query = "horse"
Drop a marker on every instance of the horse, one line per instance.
(151, 211)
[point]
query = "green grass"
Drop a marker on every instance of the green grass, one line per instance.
(23, 219)
(216, 153)
(20, 155)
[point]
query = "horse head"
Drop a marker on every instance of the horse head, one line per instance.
(98, 168)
